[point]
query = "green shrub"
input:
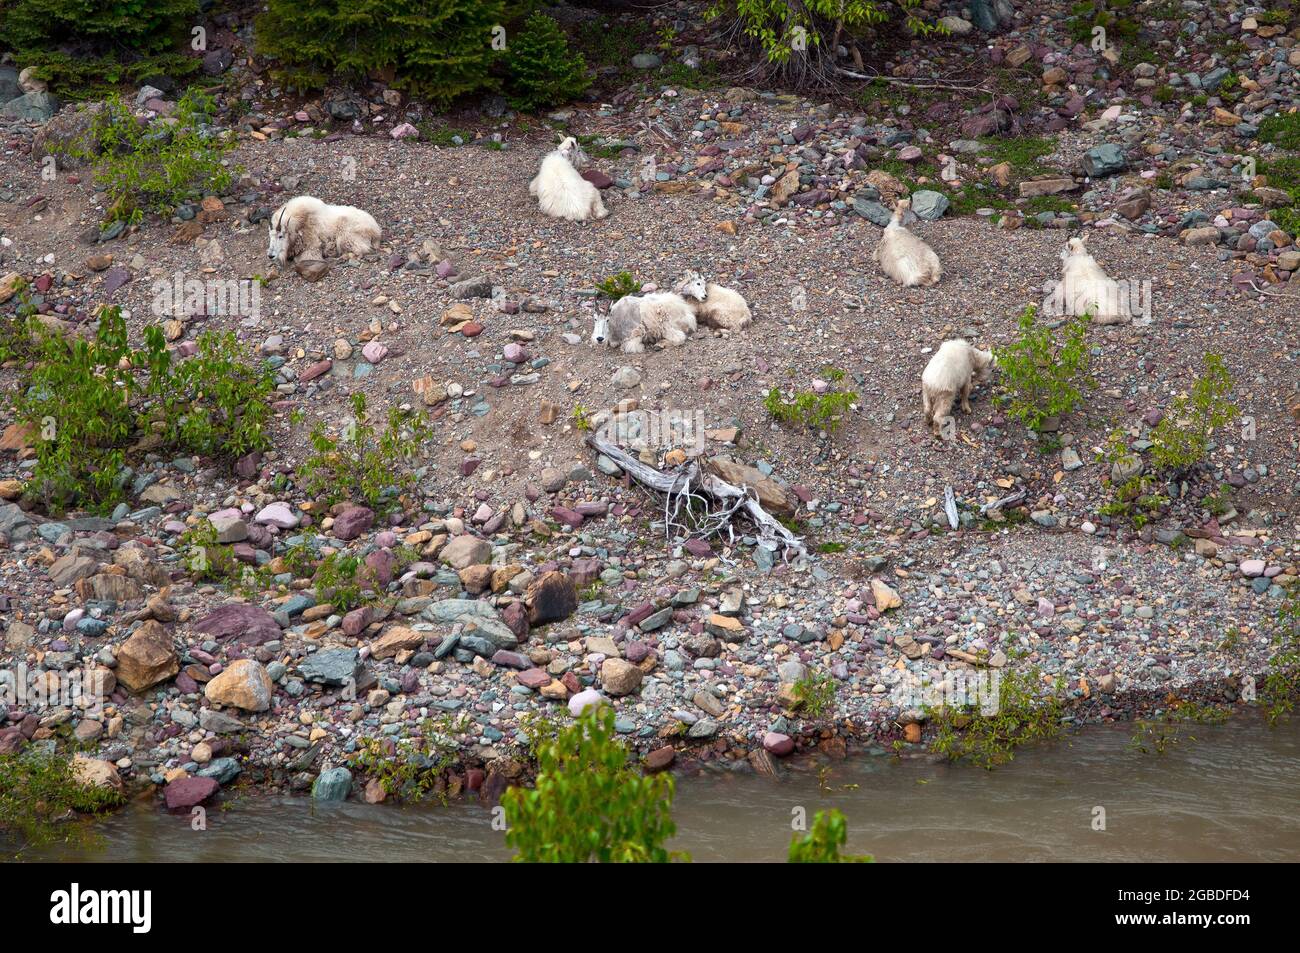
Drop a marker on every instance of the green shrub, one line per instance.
(411, 768)
(808, 408)
(87, 46)
(359, 462)
(1025, 713)
(94, 402)
(1282, 682)
(1182, 438)
(38, 793)
(618, 286)
(211, 561)
(789, 33)
(816, 693)
(821, 845)
(1040, 377)
(439, 49)
(543, 71)
(1136, 498)
(154, 167)
(337, 580)
(589, 804)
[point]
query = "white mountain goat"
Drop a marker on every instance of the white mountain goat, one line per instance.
(954, 369)
(714, 305)
(561, 191)
(1085, 287)
(902, 255)
(307, 228)
(637, 320)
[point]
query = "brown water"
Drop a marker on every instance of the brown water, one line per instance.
(1231, 794)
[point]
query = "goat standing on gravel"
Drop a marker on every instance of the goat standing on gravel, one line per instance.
(903, 256)
(637, 320)
(955, 368)
(714, 305)
(307, 228)
(561, 192)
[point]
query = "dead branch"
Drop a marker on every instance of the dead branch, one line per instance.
(727, 500)
(996, 505)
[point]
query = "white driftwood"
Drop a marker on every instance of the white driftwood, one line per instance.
(678, 487)
(950, 506)
(996, 505)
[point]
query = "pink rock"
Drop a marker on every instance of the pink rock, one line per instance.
(588, 698)
(374, 352)
(1250, 568)
(405, 131)
(184, 793)
(778, 744)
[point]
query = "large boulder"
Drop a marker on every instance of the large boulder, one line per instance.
(245, 684)
(146, 658)
(395, 639)
(251, 625)
(550, 598)
(185, 793)
(466, 550)
(92, 772)
(619, 676)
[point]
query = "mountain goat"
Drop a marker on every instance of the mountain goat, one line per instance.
(954, 369)
(903, 256)
(1085, 287)
(714, 305)
(305, 227)
(560, 191)
(637, 320)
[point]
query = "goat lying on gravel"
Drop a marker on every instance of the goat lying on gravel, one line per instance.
(561, 192)
(637, 320)
(307, 228)
(953, 370)
(714, 305)
(1086, 288)
(902, 255)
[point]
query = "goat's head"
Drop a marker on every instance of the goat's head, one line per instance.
(903, 213)
(1075, 246)
(692, 286)
(600, 331)
(278, 245)
(570, 149)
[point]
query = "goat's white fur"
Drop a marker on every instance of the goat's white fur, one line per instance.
(637, 320)
(903, 256)
(955, 368)
(307, 228)
(714, 305)
(560, 191)
(1086, 288)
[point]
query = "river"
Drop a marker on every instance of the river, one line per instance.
(1228, 795)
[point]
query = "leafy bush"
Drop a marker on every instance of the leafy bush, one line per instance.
(411, 768)
(1039, 376)
(358, 463)
(816, 693)
(440, 49)
(154, 167)
(1025, 713)
(543, 70)
(211, 561)
(37, 794)
(337, 580)
(809, 408)
(1137, 497)
(93, 402)
(1182, 438)
(821, 845)
(1282, 682)
(618, 286)
(589, 804)
(81, 46)
(791, 34)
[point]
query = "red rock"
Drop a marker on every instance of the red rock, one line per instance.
(185, 793)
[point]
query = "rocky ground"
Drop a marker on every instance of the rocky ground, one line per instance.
(524, 572)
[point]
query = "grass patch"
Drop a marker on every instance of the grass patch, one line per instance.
(39, 798)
